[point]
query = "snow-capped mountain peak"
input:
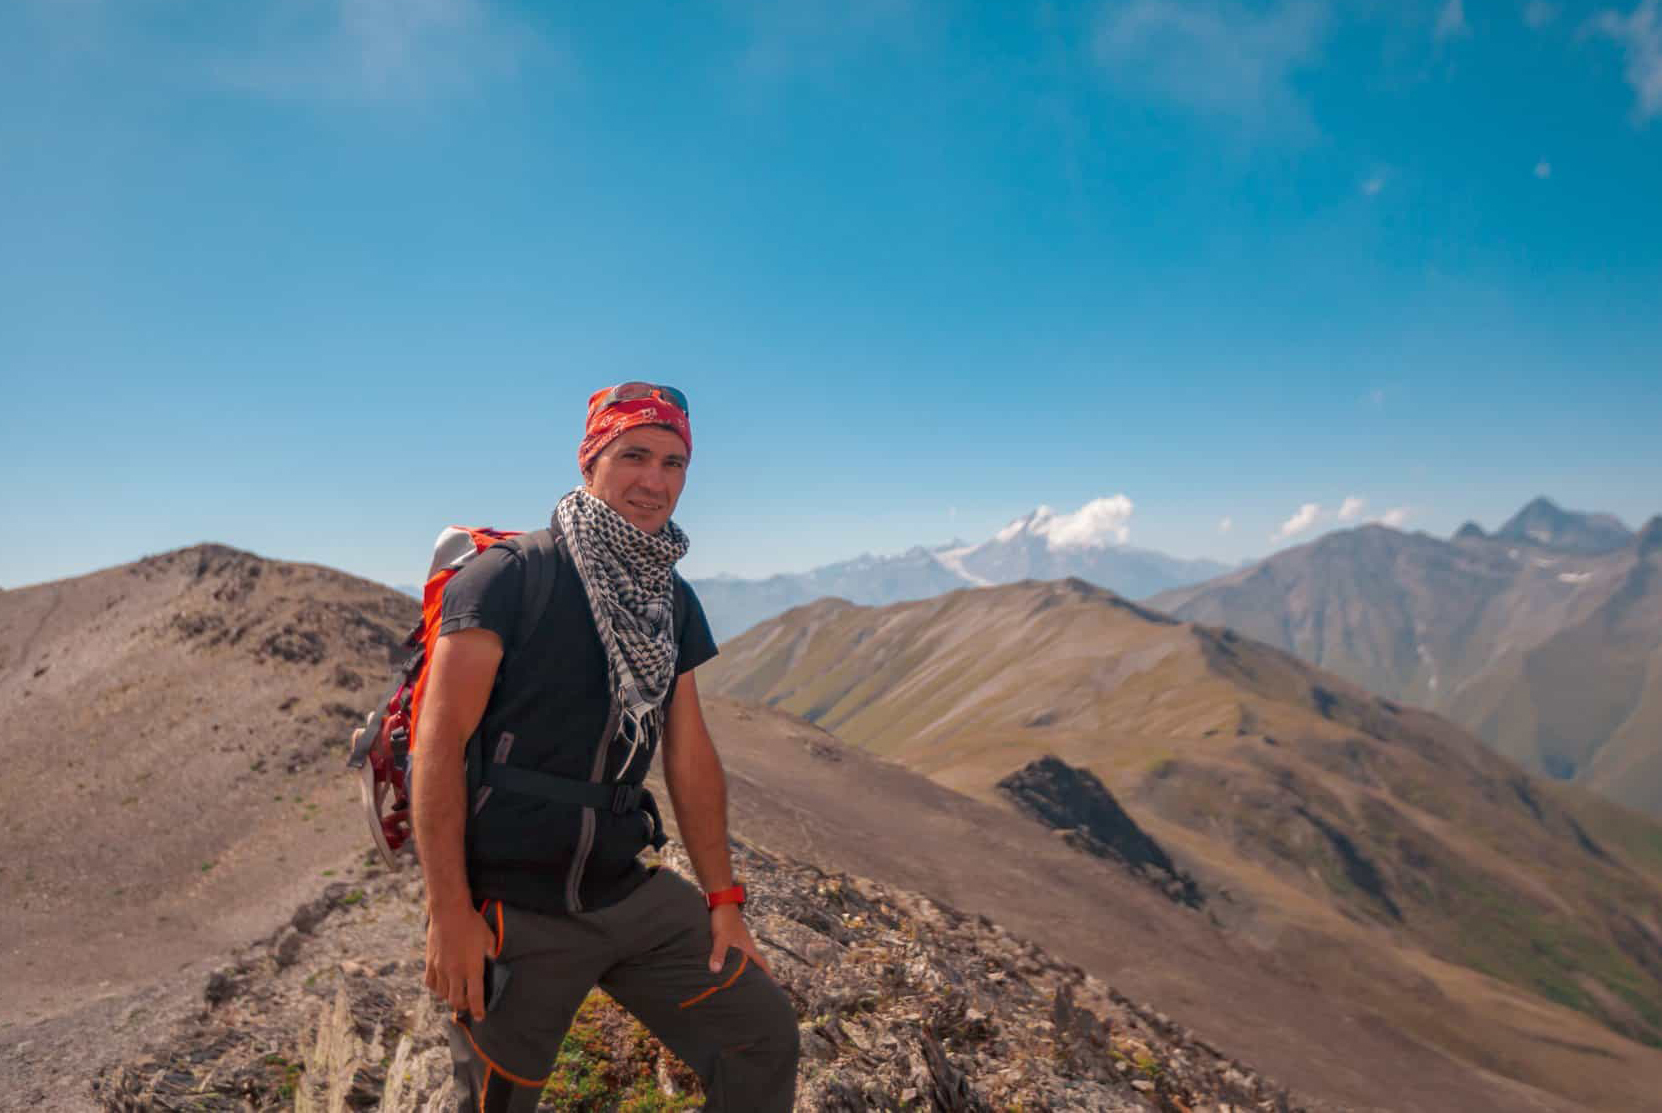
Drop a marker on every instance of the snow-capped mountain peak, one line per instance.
(1031, 522)
(1098, 524)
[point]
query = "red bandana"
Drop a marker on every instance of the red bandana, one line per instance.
(606, 424)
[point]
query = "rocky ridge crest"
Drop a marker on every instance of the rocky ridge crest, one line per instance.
(903, 1003)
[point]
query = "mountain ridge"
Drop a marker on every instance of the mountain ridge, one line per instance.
(1324, 809)
(1545, 638)
(1543, 522)
(209, 682)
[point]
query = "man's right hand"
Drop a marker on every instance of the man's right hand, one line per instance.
(458, 939)
(457, 943)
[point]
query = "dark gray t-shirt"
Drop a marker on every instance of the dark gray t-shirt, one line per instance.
(551, 703)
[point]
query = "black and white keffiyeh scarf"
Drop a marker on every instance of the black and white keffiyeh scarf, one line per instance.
(628, 576)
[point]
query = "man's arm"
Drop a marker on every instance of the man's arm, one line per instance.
(698, 793)
(458, 687)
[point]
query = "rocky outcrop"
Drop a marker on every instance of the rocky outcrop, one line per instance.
(1075, 803)
(903, 1003)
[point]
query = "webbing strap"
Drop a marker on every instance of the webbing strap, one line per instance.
(617, 798)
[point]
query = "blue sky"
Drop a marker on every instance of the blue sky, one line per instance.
(316, 278)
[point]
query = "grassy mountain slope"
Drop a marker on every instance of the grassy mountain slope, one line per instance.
(1347, 826)
(1349, 1016)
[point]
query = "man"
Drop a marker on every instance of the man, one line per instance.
(550, 890)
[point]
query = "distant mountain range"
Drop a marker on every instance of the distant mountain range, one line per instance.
(1544, 638)
(1041, 545)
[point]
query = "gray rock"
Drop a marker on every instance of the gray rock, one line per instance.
(817, 1047)
(221, 986)
(309, 915)
(287, 950)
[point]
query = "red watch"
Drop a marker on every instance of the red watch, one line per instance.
(735, 895)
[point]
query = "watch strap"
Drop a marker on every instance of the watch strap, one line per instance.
(734, 895)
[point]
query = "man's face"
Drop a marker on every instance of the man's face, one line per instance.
(640, 475)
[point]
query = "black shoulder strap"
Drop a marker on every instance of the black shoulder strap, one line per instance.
(542, 567)
(678, 605)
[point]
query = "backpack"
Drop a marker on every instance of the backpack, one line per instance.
(380, 749)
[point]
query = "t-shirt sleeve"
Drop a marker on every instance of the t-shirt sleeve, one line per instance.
(485, 593)
(698, 644)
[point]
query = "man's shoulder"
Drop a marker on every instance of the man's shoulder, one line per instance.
(487, 587)
(497, 561)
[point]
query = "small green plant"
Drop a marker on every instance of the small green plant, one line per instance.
(286, 1075)
(610, 1061)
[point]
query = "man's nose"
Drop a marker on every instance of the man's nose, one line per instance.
(656, 479)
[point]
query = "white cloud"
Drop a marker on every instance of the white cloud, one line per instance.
(1302, 519)
(1351, 507)
(1394, 517)
(1640, 34)
(1217, 57)
(1538, 13)
(376, 50)
(1226, 525)
(1543, 169)
(1373, 185)
(1451, 22)
(1099, 522)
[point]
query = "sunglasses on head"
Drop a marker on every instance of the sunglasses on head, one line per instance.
(633, 392)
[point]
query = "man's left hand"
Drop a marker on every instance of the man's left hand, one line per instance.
(727, 927)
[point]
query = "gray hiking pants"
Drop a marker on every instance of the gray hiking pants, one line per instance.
(651, 953)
